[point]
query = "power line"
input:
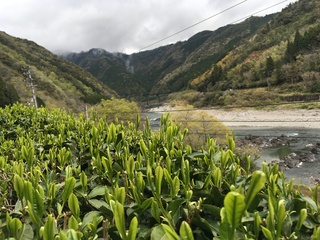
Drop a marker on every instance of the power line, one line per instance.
(219, 13)
(193, 25)
(267, 8)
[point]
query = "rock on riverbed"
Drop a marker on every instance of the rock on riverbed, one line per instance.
(292, 160)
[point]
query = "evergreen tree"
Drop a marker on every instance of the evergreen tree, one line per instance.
(269, 66)
(298, 43)
(217, 73)
(280, 78)
(289, 54)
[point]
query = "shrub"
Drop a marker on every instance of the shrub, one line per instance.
(115, 109)
(200, 126)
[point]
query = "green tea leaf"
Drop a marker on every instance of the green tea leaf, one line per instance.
(68, 188)
(172, 235)
(83, 181)
(63, 236)
(120, 194)
(217, 176)
(38, 204)
(159, 177)
(35, 218)
(281, 215)
(118, 215)
(26, 232)
(267, 233)
(72, 235)
(158, 233)
(18, 184)
(88, 218)
(316, 234)
(13, 226)
(73, 204)
(168, 177)
(155, 212)
(234, 207)
(130, 167)
(256, 224)
(145, 204)
(225, 231)
(302, 218)
(175, 186)
(28, 191)
(73, 223)
(258, 180)
(133, 228)
(310, 202)
(49, 228)
(212, 209)
(97, 191)
(59, 208)
(140, 183)
(186, 231)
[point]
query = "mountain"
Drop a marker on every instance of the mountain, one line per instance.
(168, 68)
(112, 69)
(58, 82)
(277, 52)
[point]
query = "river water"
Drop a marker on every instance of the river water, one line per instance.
(305, 174)
(308, 171)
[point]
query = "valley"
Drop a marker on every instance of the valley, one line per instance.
(236, 158)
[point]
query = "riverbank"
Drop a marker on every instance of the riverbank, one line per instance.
(289, 137)
(300, 118)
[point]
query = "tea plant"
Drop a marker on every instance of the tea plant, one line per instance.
(65, 177)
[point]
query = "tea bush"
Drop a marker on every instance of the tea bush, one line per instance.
(65, 177)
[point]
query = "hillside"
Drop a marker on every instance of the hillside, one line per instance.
(282, 58)
(248, 55)
(166, 69)
(59, 83)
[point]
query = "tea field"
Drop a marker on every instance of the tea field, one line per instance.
(66, 177)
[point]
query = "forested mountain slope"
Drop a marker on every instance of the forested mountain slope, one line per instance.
(283, 56)
(278, 52)
(59, 83)
(168, 68)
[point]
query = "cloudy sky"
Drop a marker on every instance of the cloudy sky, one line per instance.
(121, 25)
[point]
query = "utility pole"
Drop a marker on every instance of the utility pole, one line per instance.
(87, 113)
(30, 83)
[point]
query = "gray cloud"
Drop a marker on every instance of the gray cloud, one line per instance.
(117, 25)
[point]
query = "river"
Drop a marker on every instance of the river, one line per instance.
(304, 174)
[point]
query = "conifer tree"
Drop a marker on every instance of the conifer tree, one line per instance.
(269, 66)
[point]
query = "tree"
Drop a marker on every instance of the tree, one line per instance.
(200, 126)
(280, 78)
(293, 48)
(115, 109)
(217, 73)
(289, 54)
(298, 43)
(269, 66)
